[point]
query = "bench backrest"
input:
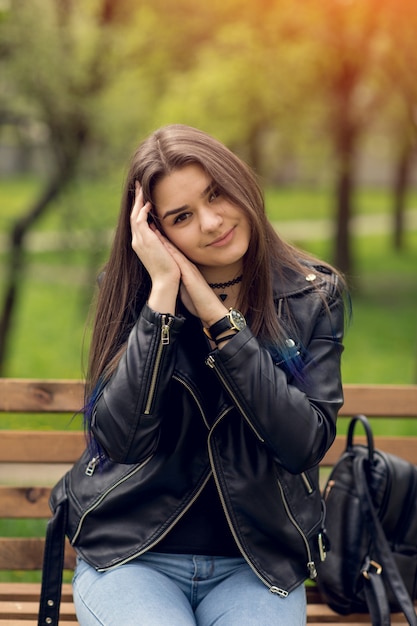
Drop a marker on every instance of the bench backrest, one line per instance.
(25, 489)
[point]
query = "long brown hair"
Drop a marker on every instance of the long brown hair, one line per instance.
(126, 284)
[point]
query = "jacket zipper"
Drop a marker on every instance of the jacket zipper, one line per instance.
(306, 482)
(167, 530)
(92, 464)
(211, 362)
(194, 396)
(164, 341)
(310, 563)
(272, 588)
(89, 471)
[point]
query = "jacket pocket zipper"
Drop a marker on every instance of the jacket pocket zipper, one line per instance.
(164, 341)
(166, 531)
(310, 563)
(210, 361)
(92, 464)
(307, 484)
(272, 588)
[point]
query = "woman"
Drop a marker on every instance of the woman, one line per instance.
(215, 371)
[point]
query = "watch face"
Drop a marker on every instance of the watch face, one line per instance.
(237, 319)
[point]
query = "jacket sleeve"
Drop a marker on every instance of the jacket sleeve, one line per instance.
(294, 416)
(127, 414)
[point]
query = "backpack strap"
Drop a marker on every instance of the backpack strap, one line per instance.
(53, 565)
(383, 554)
(375, 593)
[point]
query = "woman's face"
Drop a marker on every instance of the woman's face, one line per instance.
(209, 229)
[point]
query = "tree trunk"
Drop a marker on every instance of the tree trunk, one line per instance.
(17, 263)
(401, 180)
(344, 190)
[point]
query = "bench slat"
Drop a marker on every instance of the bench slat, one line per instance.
(29, 610)
(27, 502)
(35, 396)
(405, 447)
(23, 591)
(380, 400)
(26, 553)
(64, 621)
(66, 447)
(57, 396)
(17, 446)
(21, 554)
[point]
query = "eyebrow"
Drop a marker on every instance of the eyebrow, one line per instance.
(204, 193)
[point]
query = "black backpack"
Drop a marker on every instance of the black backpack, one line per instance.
(371, 526)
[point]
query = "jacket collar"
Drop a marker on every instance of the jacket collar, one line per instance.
(288, 282)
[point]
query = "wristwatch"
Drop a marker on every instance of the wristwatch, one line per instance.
(234, 320)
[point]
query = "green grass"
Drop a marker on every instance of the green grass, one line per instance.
(91, 203)
(292, 203)
(50, 322)
(86, 204)
(48, 330)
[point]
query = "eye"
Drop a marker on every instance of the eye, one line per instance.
(214, 194)
(181, 217)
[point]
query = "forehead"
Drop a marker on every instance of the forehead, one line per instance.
(180, 187)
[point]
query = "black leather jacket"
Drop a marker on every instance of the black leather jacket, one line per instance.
(262, 436)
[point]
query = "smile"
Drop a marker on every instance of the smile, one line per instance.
(223, 240)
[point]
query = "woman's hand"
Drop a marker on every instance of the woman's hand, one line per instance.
(195, 292)
(170, 270)
(164, 271)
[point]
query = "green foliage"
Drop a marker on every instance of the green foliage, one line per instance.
(381, 341)
(49, 328)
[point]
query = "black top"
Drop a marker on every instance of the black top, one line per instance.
(202, 530)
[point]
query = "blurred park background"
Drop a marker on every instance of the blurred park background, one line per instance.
(319, 96)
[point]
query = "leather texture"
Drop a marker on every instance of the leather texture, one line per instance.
(257, 419)
(371, 523)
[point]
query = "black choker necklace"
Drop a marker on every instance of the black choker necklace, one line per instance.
(229, 283)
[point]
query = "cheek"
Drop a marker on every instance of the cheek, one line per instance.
(179, 240)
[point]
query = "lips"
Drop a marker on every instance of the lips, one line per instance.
(223, 239)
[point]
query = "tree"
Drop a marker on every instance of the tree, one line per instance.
(246, 82)
(56, 80)
(347, 60)
(399, 27)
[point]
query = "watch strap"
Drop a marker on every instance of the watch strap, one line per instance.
(224, 338)
(220, 327)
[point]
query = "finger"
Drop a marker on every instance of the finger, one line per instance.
(140, 210)
(137, 203)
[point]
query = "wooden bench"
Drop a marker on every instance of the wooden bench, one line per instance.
(32, 461)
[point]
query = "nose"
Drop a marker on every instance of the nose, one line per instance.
(210, 220)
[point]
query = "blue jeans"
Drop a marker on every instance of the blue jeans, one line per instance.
(182, 590)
